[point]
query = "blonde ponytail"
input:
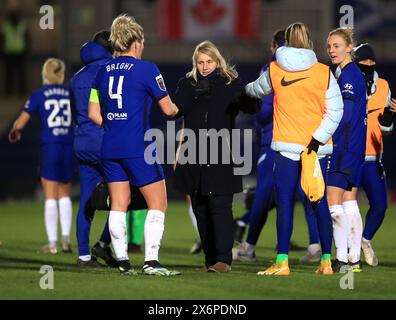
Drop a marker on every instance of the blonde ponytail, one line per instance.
(124, 31)
(53, 71)
(297, 36)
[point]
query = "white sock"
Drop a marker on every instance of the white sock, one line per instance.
(85, 258)
(51, 220)
(313, 248)
(250, 248)
(117, 228)
(65, 214)
(193, 218)
(355, 229)
(349, 217)
(340, 231)
(153, 230)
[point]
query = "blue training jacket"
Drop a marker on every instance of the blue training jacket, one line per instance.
(264, 118)
(88, 136)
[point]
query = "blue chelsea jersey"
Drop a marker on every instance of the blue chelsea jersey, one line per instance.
(350, 136)
(126, 87)
(52, 104)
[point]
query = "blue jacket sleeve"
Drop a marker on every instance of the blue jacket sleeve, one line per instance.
(73, 103)
(265, 115)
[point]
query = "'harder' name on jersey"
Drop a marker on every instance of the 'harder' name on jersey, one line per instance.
(56, 91)
(119, 66)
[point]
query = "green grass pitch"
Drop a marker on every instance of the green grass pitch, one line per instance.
(22, 233)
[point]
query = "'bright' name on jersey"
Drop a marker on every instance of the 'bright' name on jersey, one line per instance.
(119, 66)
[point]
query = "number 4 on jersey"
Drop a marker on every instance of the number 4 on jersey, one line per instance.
(117, 95)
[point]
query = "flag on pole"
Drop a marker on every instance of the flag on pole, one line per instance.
(208, 19)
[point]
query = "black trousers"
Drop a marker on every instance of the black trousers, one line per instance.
(215, 226)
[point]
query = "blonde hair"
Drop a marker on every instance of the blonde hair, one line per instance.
(125, 31)
(208, 48)
(53, 71)
(297, 36)
(345, 33)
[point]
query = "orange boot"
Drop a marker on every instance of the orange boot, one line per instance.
(277, 269)
(325, 268)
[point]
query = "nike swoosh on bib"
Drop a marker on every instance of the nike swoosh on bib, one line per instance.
(288, 83)
(370, 111)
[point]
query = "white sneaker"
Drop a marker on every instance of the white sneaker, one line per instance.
(313, 255)
(369, 254)
(196, 247)
(66, 247)
(240, 253)
(47, 249)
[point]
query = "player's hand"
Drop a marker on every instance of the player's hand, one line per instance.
(386, 119)
(392, 106)
(248, 104)
(14, 135)
(313, 145)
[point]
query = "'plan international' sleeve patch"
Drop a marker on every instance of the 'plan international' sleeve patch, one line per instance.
(160, 82)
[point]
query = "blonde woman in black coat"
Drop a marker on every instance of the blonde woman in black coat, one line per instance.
(210, 97)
